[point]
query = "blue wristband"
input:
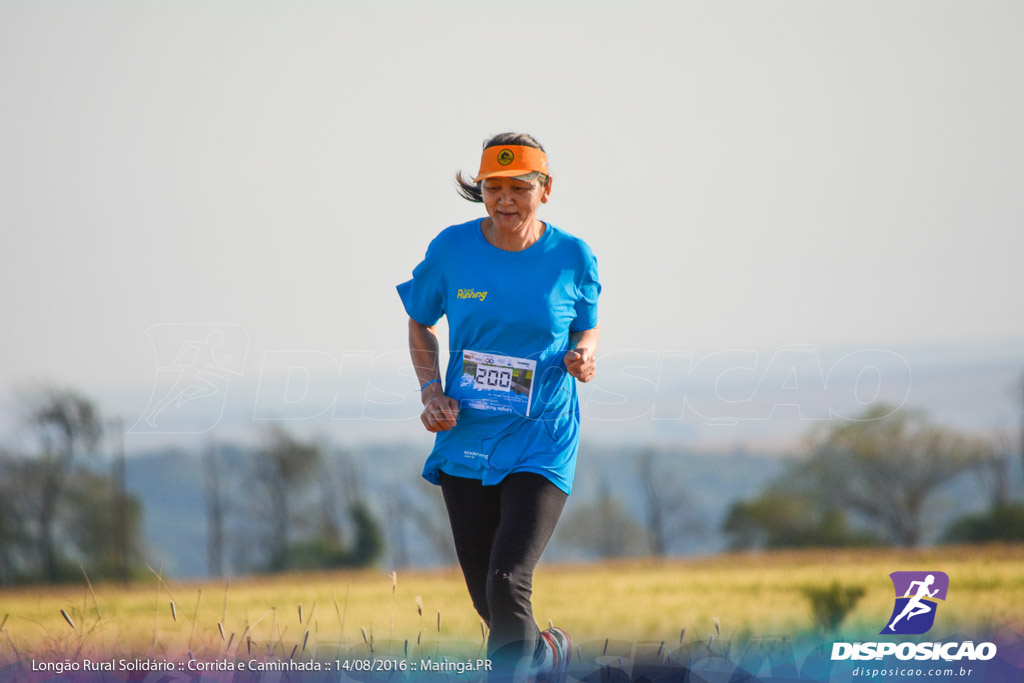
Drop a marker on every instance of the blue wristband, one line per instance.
(429, 383)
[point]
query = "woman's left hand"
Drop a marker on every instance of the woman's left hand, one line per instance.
(580, 363)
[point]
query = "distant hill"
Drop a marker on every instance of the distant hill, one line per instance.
(170, 483)
(761, 400)
(719, 421)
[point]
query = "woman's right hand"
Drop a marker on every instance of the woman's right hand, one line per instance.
(440, 412)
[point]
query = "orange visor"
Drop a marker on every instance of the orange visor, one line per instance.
(509, 161)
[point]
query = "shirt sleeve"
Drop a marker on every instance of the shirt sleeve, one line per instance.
(589, 288)
(423, 295)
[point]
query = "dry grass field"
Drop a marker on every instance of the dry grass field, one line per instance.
(327, 614)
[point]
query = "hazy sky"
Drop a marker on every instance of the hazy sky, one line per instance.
(748, 174)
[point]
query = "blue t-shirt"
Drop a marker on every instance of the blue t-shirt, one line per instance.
(510, 314)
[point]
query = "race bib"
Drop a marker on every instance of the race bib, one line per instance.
(501, 384)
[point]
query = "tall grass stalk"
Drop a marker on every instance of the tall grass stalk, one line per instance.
(419, 611)
(224, 609)
(195, 617)
(280, 635)
(342, 613)
(10, 642)
(92, 592)
(394, 589)
(249, 627)
(437, 645)
(156, 611)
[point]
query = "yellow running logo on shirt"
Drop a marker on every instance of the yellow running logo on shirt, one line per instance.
(471, 294)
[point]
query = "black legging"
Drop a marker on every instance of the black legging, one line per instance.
(500, 532)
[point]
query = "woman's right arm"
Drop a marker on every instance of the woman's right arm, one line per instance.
(440, 412)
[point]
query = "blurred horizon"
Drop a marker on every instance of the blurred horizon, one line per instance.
(764, 400)
(723, 425)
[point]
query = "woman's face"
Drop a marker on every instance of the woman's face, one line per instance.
(512, 204)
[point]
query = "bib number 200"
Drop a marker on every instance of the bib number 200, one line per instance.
(491, 377)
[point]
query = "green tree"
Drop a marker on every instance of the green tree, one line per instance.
(668, 511)
(1004, 518)
(883, 469)
(284, 468)
(68, 426)
(57, 510)
(603, 527)
(92, 530)
(17, 546)
(369, 542)
(790, 519)
(830, 604)
(301, 528)
(327, 552)
(1002, 522)
(886, 465)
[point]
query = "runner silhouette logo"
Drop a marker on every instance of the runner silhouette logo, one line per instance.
(917, 594)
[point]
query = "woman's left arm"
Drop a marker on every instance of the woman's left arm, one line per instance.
(579, 360)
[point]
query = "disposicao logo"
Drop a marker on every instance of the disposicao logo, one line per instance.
(916, 596)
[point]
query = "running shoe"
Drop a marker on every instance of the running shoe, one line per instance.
(561, 651)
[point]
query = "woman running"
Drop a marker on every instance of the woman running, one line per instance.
(520, 296)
